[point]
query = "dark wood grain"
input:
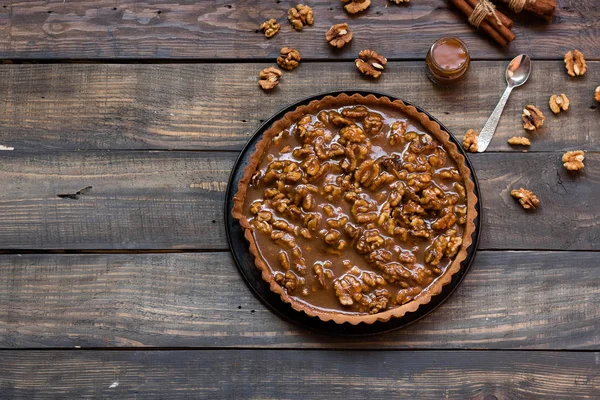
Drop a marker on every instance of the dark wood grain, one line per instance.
(229, 29)
(53, 107)
(174, 200)
(508, 300)
(289, 374)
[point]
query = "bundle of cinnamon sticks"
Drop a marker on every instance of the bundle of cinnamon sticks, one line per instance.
(496, 24)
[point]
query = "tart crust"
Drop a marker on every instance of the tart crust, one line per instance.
(314, 107)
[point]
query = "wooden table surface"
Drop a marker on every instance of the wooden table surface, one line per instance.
(130, 291)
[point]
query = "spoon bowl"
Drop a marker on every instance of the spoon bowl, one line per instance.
(518, 70)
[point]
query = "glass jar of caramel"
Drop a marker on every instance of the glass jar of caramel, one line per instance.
(447, 61)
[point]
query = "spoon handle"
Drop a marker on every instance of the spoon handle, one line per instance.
(486, 134)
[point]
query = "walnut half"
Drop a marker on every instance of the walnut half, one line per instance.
(288, 59)
(575, 63)
(597, 94)
(356, 6)
(527, 198)
(519, 141)
(300, 15)
(533, 118)
(370, 63)
(269, 78)
(558, 103)
(470, 140)
(270, 27)
(573, 160)
(338, 35)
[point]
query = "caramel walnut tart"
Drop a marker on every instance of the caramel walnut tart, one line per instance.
(356, 208)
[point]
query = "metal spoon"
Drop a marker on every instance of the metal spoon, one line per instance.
(517, 72)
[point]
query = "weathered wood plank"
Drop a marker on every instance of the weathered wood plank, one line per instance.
(216, 106)
(508, 300)
(34, 29)
(174, 200)
(292, 374)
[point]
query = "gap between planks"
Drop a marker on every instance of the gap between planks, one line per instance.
(303, 349)
(24, 61)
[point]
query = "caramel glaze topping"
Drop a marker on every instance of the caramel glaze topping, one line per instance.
(356, 210)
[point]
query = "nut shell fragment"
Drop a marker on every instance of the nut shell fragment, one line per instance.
(597, 94)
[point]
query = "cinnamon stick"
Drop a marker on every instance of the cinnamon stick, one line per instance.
(467, 10)
(507, 22)
(503, 29)
(541, 8)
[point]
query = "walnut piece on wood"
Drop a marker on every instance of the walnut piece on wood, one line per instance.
(573, 160)
(558, 103)
(527, 198)
(533, 118)
(356, 6)
(269, 78)
(338, 35)
(597, 94)
(519, 140)
(575, 63)
(288, 59)
(300, 15)
(270, 27)
(470, 141)
(370, 63)
(400, 1)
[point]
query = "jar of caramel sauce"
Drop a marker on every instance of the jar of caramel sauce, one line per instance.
(447, 61)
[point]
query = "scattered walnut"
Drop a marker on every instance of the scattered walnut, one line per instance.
(470, 140)
(338, 35)
(269, 78)
(597, 94)
(533, 118)
(575, 63)
(400, 1)
(300, 15)
(356, 6)
(288, 59)
(558, 103)
(519, 140)
(573, 160)
(526, 197)
(370, 63)
(270, 27)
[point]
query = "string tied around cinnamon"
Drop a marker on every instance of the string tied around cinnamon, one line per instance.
(482, 10)
(517, 5)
